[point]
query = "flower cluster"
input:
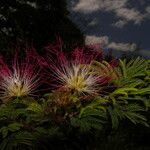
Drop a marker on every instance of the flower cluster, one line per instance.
(72, 72)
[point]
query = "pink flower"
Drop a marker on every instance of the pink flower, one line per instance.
(73, 72)
(20, 77)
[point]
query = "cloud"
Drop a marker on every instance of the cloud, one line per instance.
(122, 46)
(148, 9)
(93, 22)
(84, 6)
(103, 40)
(89, 6)
(130, 15)
(119, 48)
(120, 23)
(106, 43)
(118, 7)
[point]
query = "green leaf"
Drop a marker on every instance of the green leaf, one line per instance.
(114, 117)
(35, 107)
(89, 118)
(136, 118)
(123, 91)
(142, 91)
(14, 127)
(4, 131)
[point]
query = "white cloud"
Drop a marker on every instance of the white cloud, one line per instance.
(93, 22)
(86, 6)
(112, 5)
(122, 46)
(119, 48)
(118, 7)
(148, 9)
(130, 15)
(105, 42)
(120, 23)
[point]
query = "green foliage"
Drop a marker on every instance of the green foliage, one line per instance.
(105, 69)
(25, 122)
(24, 140)
(89, 118)
(131, 98)
(132, 72)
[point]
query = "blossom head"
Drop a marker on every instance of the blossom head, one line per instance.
(19, 78)
(73, 72)
(78, 78)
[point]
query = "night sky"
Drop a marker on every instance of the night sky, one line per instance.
(119, 25)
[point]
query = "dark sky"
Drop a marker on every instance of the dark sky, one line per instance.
(121, 25)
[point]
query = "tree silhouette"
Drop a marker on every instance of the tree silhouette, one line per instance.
(35, 22)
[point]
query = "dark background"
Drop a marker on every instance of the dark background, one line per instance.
(36, 23)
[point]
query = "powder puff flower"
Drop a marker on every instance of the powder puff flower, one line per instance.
(73, 72)
(78, 78)
(19, 78)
